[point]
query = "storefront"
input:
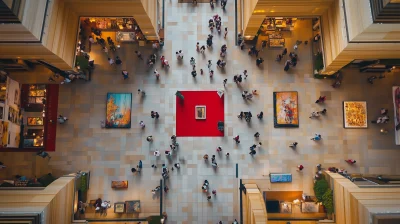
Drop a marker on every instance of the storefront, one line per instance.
(27, 121)
(276, 30)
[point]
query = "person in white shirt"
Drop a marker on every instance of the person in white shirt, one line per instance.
(110, 61)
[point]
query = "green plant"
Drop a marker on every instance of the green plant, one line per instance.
(320, 187)
(319, 62)
(84, 179)
(327, 201)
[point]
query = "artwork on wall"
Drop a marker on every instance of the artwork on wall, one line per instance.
(132, 206)
(4, 133)
(200, 112)
(119, 207)
(16, 97)
(13, 115)
(35, 121)
(355, 114)
(119, 184)
(286, 113)
(119, 106)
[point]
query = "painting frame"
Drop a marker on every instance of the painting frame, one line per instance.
(346, 114)
(29, 121)
(132, 206)
(294, 114)
(118, 110)
(200, 112)
(119, 207)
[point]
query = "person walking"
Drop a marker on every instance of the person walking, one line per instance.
(245, 74)
(125, 74)
(259, 61)
(259, 145)
(139, 55)
(153, 114)
(226, 32)
(142, 92)
(198, 47)
(202, 49)
(350, 161)
(205, 157)
(166, 189)
(105, 50)
(149, 138)
(219, 149)
(260, 115)
(236, 139)
(227, 154)
(284, 52)
(252, 152)
(214, 192)
(61, 119)
(157, 73)
(194, 73)
(209, 65)
(321, 99)
(142, 125)
(215, 164)
(225, 81)
(257, 135)
(192, 62)
(300, 167)
(133, 170)
(213, 158)
(140, 166)
(153, 166)
(317, 137)
(211, 73)
(157, 115)
(323, 112)
(208, 197)
(177, 165)
(293, 145)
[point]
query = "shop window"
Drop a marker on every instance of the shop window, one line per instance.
(36, 94)
(3, 89)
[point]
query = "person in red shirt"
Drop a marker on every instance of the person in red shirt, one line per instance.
(350, 161)
(300, 167)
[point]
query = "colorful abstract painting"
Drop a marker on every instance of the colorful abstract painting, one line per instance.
(355, 114)
(286, 112)
(119, 106)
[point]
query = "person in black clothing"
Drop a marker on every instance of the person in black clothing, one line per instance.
(257, 135)
(259, 61)
(284, 52)
(260, 115)
(153, 114)
(194, 73)
(241, 115)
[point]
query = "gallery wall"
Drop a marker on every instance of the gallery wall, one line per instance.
(12, 112)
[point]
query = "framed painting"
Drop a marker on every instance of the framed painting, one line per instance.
(286, 110)
(119, 184)
(118, 114)
(355, 114)
(132, 206)
(119, 207)
(200, 112)
(35, 121)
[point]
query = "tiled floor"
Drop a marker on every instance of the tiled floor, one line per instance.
(110, 153)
